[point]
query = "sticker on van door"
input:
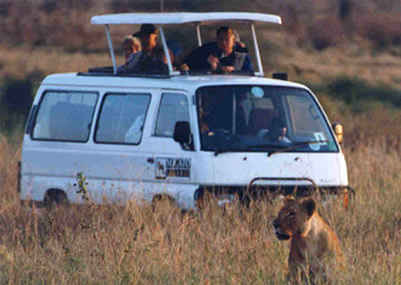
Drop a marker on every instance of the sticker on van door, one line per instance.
(172, 167)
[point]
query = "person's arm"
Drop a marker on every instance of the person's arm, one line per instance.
(197, 59)
(191, 60)
(247, 66)
(240, 47)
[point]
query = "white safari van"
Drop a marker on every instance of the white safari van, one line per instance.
(180, 134)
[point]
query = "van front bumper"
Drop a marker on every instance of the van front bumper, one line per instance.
(247, 193)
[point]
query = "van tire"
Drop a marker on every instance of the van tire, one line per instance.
(55, 197)
(163, 199)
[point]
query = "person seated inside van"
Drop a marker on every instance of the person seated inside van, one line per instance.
(221, 56)
(278, 131)
(132, 52)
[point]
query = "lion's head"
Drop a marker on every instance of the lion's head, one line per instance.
(294, 218)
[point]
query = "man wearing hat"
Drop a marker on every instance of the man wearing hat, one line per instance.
(148, 40)
(148, 36)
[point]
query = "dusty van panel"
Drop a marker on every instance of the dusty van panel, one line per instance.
(116, 164)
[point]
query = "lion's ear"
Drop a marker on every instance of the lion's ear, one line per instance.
(309, 206)
(289, 199)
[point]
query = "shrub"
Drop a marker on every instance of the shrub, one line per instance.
(16, 96)
(382, 30)
(370, 113)
(325, 33)
(355, 91)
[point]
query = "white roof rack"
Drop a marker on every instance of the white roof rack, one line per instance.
(182, 18)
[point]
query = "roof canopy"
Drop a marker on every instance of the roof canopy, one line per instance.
(182, 18)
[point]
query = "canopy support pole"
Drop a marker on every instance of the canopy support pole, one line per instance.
(198, 33)
(167, 53)
(257, 53)
(113, 59)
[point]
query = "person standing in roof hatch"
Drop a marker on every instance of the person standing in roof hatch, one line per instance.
(148, 36)
(132, 52)
(225, 58)
(222, 55)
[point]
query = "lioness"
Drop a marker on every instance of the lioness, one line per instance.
(313, 241)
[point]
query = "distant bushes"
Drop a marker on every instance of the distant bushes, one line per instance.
(369, 113)
(16, 97)
(320, 25)
(325, 33)
(355, 91)
(382, 30)
(48, 23)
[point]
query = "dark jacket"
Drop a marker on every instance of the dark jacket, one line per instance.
(197, 59)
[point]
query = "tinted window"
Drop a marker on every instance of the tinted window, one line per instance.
(173, 108)
(122, 117)
(65, 116)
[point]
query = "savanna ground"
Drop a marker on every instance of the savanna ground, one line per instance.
(351, 60)
(134, 244)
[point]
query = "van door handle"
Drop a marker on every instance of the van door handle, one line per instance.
(150, 160)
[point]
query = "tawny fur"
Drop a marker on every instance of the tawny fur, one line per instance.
(314, 245)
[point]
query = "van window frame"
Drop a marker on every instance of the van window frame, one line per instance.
(157, 113)
(100, 112)
(42, 96)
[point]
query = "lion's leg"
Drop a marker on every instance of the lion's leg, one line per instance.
(295, 271)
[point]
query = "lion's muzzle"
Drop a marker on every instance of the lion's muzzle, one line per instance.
(280, 235)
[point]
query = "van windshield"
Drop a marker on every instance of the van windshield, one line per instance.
(261, 119)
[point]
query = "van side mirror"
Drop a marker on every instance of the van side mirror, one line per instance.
(182, 134)
(339, 131)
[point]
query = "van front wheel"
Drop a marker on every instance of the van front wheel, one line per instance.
(162, 201)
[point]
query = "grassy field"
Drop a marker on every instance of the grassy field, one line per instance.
(354, 65)
(134, 244)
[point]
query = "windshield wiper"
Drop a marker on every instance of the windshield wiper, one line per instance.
(276, 145)
(295, 146)
(219, 151)
(279, 147)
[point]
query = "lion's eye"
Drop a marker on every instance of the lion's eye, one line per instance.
(292, 214)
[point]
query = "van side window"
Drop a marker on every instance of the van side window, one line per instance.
(122, 118)
(173, 108)
(65, 116)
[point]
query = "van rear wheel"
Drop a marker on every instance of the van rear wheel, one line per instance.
(55, 197)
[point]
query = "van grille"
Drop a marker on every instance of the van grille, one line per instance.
(257, 192)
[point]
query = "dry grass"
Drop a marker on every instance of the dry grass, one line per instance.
(302, 65)
(14, 61)
(133, 244)
(351, 61)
